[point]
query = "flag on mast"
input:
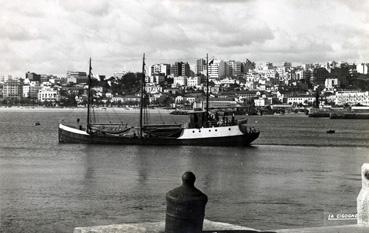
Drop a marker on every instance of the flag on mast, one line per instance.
(211, 61)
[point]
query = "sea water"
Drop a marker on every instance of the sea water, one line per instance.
(294, 175)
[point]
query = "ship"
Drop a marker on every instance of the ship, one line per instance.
(203, 128)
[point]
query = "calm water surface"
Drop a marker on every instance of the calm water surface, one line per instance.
(293, 175)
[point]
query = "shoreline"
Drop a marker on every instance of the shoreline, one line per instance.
(78, 109)
(112, 109)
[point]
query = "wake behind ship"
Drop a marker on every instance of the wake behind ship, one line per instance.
(204, 129)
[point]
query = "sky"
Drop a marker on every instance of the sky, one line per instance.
(54, 36)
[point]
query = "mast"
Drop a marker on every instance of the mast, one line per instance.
(207, 90)
(89, 99)
(142, 93)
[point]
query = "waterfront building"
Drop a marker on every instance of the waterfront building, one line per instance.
(12, 89)
(246, 95)
(352, 98)
(34, 87)
(222, 103)
(48, 94)
(189, 99)
(261, 102)
(127, 99)
(26, 90)
(304, 100)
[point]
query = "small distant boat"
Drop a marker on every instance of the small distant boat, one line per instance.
(37, 123)
(331, 131)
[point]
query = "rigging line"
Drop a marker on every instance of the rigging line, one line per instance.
(146, 110)
(108, 114)
(161, 117)
(116, 115)
(147, 115)
(173, 118)
(93, 114)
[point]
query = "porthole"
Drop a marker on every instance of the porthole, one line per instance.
(229, 129)
(216, 130)
(209, 130)
(193, 131)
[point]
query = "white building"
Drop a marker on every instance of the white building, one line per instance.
(299, 74)
(34, 88)
(228, 81)
(155, 78)
(260, 102)
(301, 100)
(153, 89)
(362, 68)
(331, 83)
(160, 69)
(214, 69)
(48, 94)
(352, 98)
(26, 91)
(180, 81)
(178, 99)
(193, 81)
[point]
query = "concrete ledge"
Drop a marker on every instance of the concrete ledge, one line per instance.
(157, 227)
(328, 229)
(214, 227)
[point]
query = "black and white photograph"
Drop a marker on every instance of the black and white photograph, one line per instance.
(184, 116)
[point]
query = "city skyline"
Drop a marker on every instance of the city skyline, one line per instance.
(53, 37)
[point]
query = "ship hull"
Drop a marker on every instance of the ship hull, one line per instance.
(71, 135)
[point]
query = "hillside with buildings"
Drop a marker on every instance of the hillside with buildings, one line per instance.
(232, 84)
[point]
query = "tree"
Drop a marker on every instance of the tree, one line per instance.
(129, 84)
(165, 100)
